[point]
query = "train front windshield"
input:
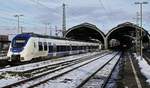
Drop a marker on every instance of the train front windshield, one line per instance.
(19, 43)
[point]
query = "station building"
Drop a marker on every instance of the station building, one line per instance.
(122, 36)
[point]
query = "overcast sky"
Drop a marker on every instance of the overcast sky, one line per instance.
(105, 14)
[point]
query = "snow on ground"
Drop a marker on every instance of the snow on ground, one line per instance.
(25, 67)
(145, 67)
(74, 78)
(101, 76)
(11, 79)
(25, 85)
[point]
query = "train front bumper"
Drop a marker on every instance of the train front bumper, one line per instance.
(14, 58)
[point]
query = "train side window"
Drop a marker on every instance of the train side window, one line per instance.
(61, 48)
(71, 48)
(50, 48)
(40, 46)
(64, 48)
(58, 49)
(84, 47)
(80, 47)
(45, 46)
(68, 48)
(74, 47)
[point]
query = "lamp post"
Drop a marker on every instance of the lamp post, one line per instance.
(18, 18)
(141, 20)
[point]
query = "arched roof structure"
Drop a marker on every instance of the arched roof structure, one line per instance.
(126, 33)
(86, 32)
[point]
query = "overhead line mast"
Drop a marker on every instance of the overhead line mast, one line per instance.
(137, 34)
(141, 25)
(64, 20)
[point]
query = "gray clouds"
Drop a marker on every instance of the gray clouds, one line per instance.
(37, 12)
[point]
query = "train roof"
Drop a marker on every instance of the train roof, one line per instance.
(43, 36)
(27, 35)
(46, 36)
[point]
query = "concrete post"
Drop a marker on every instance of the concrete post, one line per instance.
(105, 43)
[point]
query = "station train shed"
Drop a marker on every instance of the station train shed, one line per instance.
(123, 34)
(85, 32)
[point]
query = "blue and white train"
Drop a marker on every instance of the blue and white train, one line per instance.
(28, 46)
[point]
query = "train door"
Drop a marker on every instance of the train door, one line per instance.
(54, 50)
(100, 47)
(70, 51)
(34, 51)
(87, 48)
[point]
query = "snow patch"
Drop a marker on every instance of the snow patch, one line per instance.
(144, 66)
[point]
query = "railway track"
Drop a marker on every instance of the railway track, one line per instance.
(147, 58)
(100, 78)
(37, 81)
(71, 80)
(42, 62)
(5, 64)
(50, 69)
(46, 64)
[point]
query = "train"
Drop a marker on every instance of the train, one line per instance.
(28, 46)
